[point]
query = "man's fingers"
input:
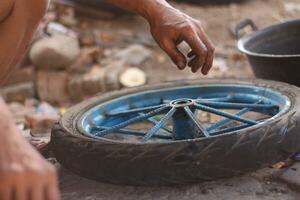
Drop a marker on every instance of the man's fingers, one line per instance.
(198, 48)
(52, 193)
(51, 190)
(37, 192)
(177, 57)
(209, 63)
(210, 53)
(21, 192)
(6, 194)
(191, 54)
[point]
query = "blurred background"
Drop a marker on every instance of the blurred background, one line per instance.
(84, 48)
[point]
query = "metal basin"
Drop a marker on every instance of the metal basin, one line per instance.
(273, 51)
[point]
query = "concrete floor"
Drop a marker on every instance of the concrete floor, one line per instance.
(255, 186)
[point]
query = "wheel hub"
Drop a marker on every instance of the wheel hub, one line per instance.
(181, 102)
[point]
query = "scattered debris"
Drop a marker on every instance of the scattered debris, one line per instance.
(278, 165)
(297, 156)
(132, 77)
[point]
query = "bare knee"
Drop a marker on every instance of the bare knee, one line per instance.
(6, 7)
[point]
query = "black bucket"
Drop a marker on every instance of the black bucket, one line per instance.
(274, 51)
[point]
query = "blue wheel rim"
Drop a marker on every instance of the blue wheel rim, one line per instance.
(173, 113)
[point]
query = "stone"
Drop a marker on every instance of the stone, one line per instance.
(291, 175)
(21, 75)
(56, 52)
(18, 92)
(133, 77)
(52, 86)
(134, 54)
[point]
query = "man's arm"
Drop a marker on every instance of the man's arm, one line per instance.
(6, 7)
(170, 27)
(18, 22)
(24, 174)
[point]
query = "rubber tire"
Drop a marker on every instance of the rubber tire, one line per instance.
(183, 161)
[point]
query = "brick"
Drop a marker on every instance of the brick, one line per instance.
(18, 92)
(52, 86)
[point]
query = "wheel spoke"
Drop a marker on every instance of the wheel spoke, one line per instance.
(132, 132)
(135, 110)
(196, 122)
(159, 124)
(224, 114)
(154, 121)
(166, 101)
(227, 130)
(222, 105)
(133, 120)
(226, 120)
(217, 99)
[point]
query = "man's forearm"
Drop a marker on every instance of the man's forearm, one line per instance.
(145, 8)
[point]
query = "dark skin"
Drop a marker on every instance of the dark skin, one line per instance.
(169, 27)
(24, 174)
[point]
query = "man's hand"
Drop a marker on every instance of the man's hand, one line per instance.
(24, 174)
(170, 27)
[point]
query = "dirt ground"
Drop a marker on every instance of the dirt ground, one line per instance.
(229, 63)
